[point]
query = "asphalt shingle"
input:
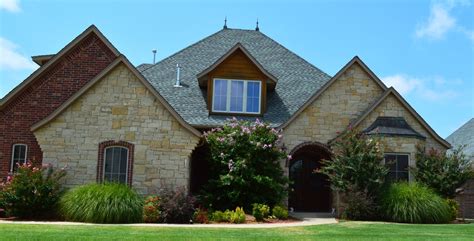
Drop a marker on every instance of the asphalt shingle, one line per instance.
(464, 136)
(297, 79)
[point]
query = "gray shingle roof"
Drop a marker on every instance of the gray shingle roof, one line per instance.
(464, 136)
(297, 79)
(392, 126)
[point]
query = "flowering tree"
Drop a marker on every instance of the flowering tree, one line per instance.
(244, 166)
(32, 192)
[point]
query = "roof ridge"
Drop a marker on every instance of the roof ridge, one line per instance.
(461, 127)
(182, 50)
(299, 57)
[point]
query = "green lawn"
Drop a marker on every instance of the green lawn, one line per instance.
(342, 231)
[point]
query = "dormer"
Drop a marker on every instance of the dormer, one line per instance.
(237, 84)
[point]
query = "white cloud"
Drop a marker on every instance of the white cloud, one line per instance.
(10, 59)
(439, 23)
(10, 5)
(432, 89)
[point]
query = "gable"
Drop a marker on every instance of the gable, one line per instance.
(350, 92)
(122, 84)
(237, 66)
(88, 53)
(391, 104)
(355, 84)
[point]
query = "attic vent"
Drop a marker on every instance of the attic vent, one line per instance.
(178, 83)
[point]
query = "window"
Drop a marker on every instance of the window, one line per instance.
(116, 164)
(236, 96)
(19, 152)
(398, 166)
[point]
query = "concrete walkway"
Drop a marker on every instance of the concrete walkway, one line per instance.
(307, 219)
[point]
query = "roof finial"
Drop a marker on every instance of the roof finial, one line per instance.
(257, 28)
(225, 22)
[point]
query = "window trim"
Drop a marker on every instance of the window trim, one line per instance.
(244, 96)
(105, 157)
(13, 154)
(399, 154)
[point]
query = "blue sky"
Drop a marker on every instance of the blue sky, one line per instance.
(425, 49)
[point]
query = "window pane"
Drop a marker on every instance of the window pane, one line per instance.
(402, 163)
(22, 154)
(18, 157)
(236, 96)
(220, 95)
(253, 100)
(116, 161)
(402, 176)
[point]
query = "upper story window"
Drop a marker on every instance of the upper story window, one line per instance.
(237, 96)
(19, 152)
(398, 166)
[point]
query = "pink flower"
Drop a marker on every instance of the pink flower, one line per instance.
(289, 157)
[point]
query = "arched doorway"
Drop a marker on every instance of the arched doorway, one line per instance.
(309, 190)
(199, 175)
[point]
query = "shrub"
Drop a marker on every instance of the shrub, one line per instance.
(151, 209)
(219, 216)
(356, 164)
(32, 192)
(102, 203)
(201, 216)
(244, 166)
(442, 172)
(414, 203)
(280, 212)
(260, 211)
(453, 208)
(176, 206)
(360, 206)
(237, 216)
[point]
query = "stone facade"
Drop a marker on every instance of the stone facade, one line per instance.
(119, 107)
(332, 112)
(391, 106)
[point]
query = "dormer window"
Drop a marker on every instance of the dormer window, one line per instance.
(237, 96)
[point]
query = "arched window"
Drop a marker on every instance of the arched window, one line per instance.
(19, 152)
(115, 162)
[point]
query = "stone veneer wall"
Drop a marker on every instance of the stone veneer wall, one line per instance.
(119, 107)
(392, 107)
(333, 110)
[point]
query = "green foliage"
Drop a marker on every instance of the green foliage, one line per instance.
(200, 216)
(32, 192)
(244, 166)
(260, 211)
(102, 203)
(151, 209)
(219, 216)
(176, 206)
(236, 216)
(453, 208)
(442, 172)
(280, 212)
(414, 203)
(356, 164)
(360, 206)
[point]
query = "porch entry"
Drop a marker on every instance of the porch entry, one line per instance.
(309, 190)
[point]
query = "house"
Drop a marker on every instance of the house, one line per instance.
(89, 108)
(464, 136)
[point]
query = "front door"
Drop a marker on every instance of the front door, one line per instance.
(309, 190)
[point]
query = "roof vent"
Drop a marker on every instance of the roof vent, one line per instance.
(178, 84)
(154, 55)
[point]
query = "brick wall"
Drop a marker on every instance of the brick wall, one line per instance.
(46, 93)
(466, 200)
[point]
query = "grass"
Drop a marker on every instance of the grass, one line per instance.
(342, 231)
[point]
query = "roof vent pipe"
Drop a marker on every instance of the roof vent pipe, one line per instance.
(178, 84)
